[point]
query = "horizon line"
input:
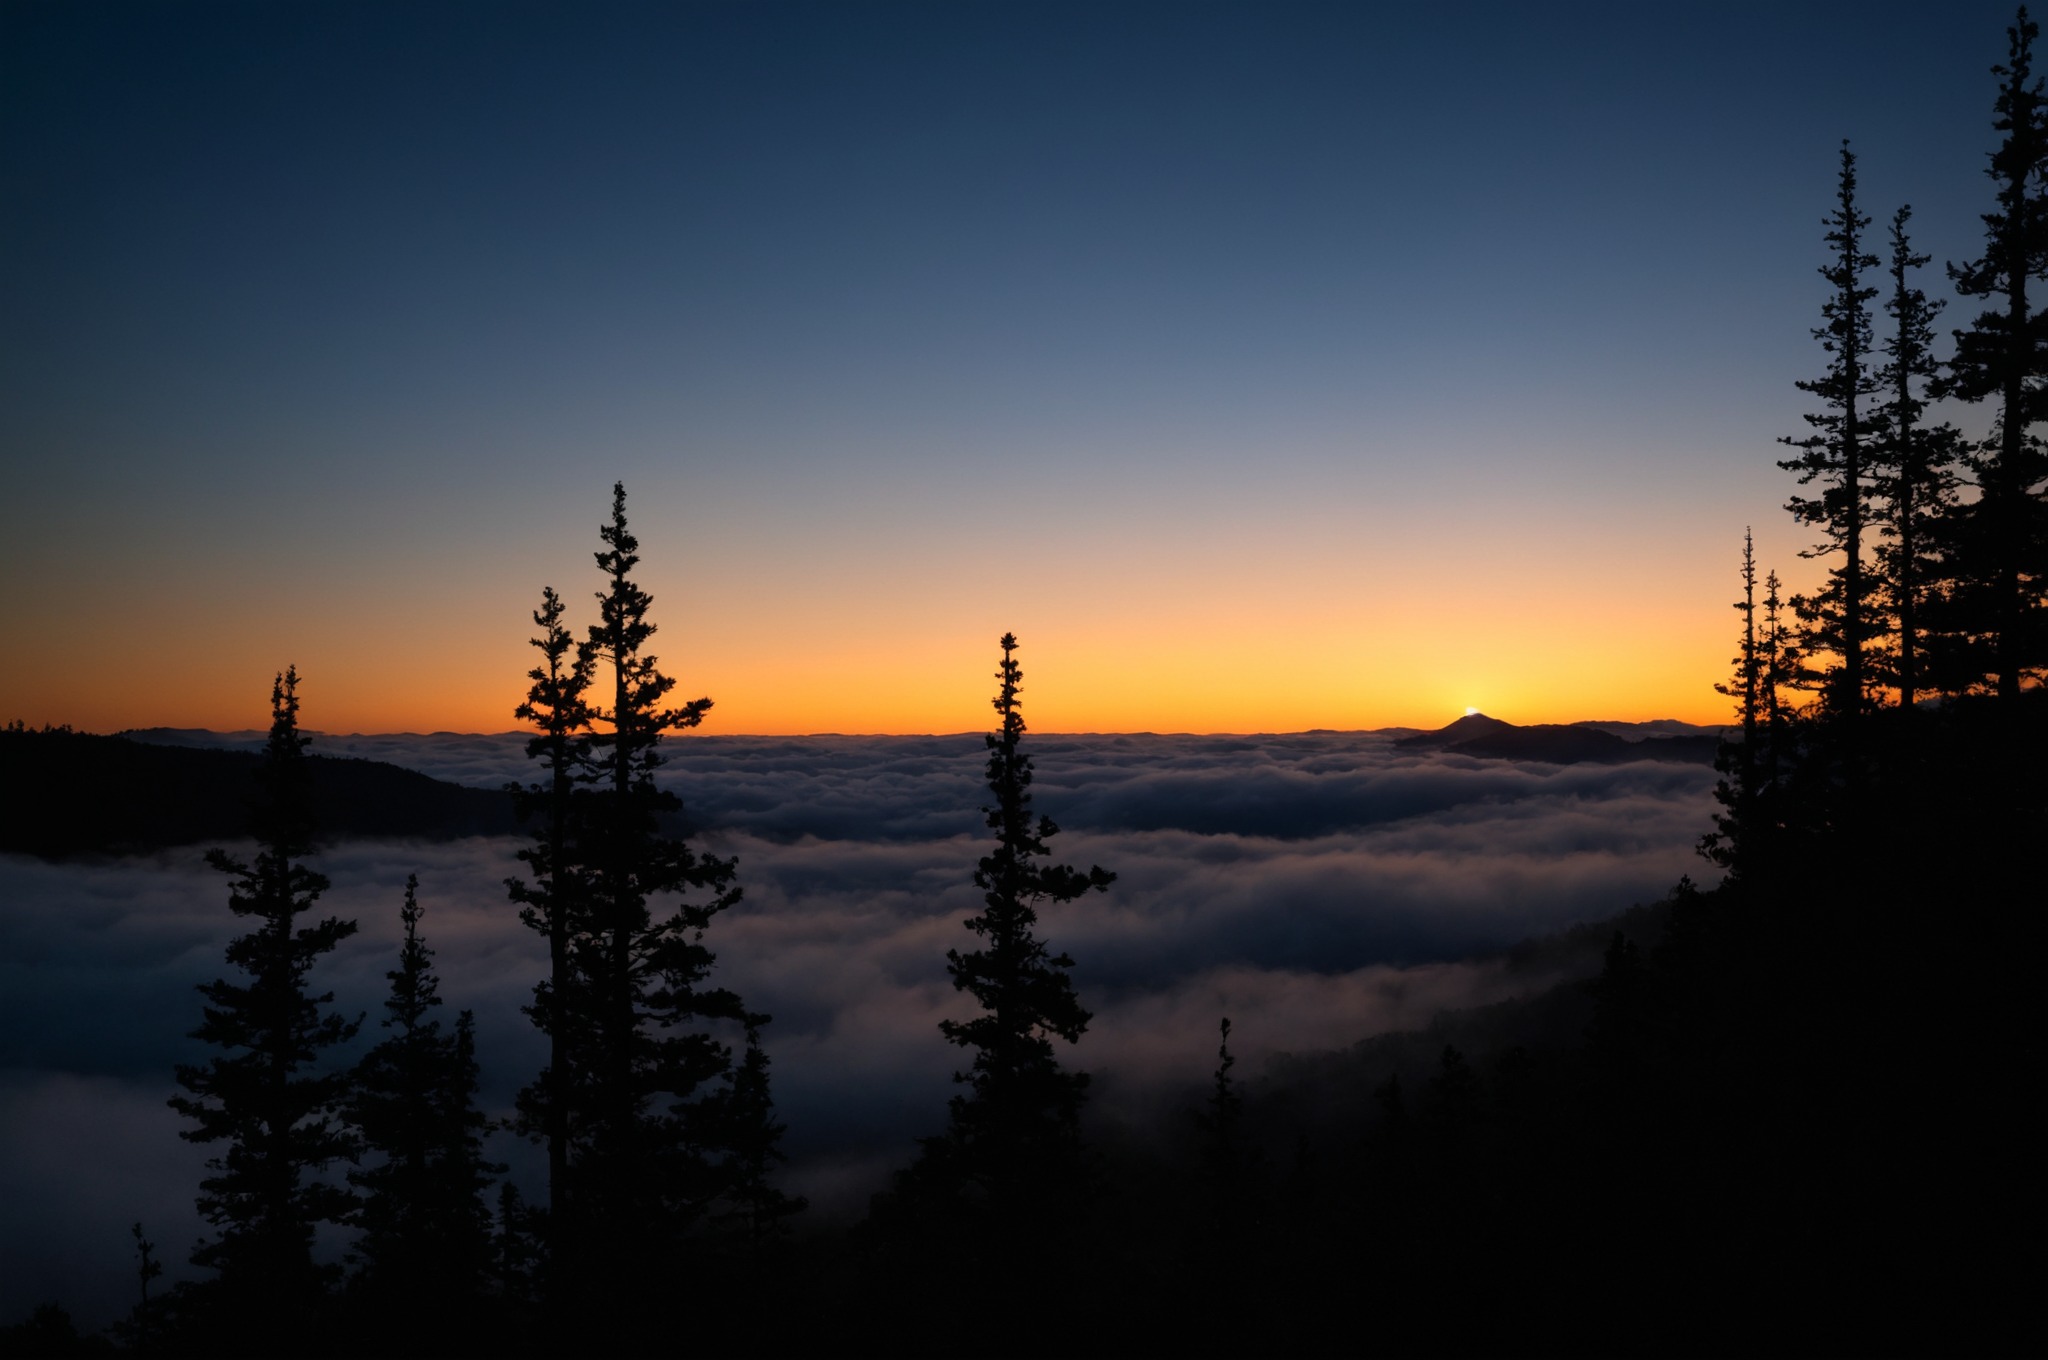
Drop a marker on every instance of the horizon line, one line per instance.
(964, 732)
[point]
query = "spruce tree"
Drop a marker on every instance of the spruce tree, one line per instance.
(1839, 618)
(139, 1331)
(515, 1251)
(265, 1098)
(1014, 1134)
(1224, 1157)
(554, 900)
(1912, 461)
(426, 1230)
(653, 1167)
(651, 1129)
(1775, 669)
(1997, 544)
(1737, 760)
(754, 1211)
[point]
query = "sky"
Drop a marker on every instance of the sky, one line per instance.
(1318, 889)
(1264, 367)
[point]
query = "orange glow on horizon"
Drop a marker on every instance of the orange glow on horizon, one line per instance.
(1262, 680)
(1331, 633)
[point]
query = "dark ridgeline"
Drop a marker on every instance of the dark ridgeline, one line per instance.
(1475, 734)
(272, 1098)
(424, 1244)
(117, 795)
(660, 1147)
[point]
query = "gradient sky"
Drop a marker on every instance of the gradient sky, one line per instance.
(1264, 367)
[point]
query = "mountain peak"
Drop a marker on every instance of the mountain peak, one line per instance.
(1473, 724)
(1467, 728)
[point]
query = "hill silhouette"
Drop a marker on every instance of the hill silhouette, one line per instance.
(99, 794)
(1475, 734)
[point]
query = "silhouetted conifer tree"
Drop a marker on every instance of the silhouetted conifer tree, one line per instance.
(426, 1233)
(141, 1328)
(49, 1331)
(1997, 545)
(1224, 1153)
(554, 901)
(755, 1210)
(515, 1250)
(656, 1138)
(1913, 462)
(1738, 759)
(1014, 1136)
(1775, 670)
(1754, 766)
(263, 1098)
(1836, 456)
(1746, 686)
(650, 1127)
(1454, 1101)
(1621, 1024)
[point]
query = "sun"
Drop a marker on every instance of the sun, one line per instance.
(1471, 712)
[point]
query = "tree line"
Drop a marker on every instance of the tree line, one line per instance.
(654, 1106)
(1793, 1111)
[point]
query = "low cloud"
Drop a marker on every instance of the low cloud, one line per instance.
(1317, 888)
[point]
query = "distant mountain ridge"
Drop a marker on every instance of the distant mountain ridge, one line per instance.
(204, 738)
(1475, 734)
(81, 793)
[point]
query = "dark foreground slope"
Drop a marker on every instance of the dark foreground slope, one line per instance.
(72, 793)
(1795, 1114)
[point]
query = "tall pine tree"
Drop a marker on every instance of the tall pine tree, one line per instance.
(1737, 760)
(1836, 457)
(1997, 544)
(1776, 665)
(652, 1171)
(426, 1229)
(265, 1098)
(554, 900)
(1014, 1135)
(754, 1211)
(1224, 1155)
(1913, 462)
(651, 1128)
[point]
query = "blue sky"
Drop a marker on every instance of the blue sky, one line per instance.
(1185, 339)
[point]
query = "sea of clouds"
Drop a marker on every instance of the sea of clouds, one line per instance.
(1318, 888)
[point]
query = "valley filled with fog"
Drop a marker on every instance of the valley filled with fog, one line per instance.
(1318, 888)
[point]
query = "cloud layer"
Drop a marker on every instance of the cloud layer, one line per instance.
(1318, 888)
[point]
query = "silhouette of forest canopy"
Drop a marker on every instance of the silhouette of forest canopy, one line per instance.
(1793, 1111)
